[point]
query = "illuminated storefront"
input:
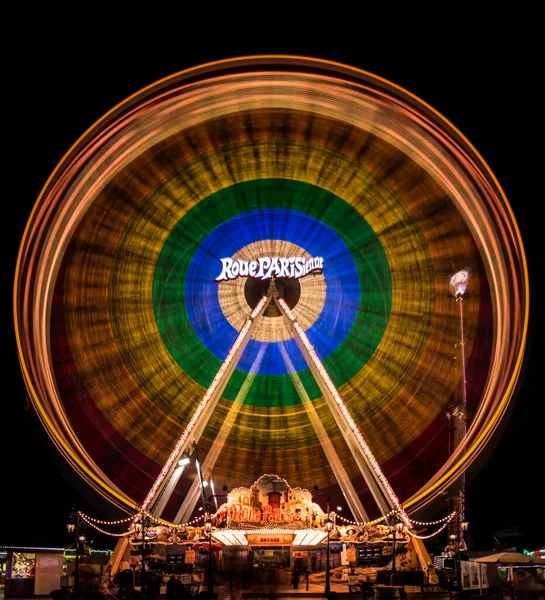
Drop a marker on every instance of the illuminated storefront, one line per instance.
(270, 526)
(32, 571)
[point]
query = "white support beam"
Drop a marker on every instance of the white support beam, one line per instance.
(157, 497)
(352, 499)
(381, 490)
(192, 497)
(359, 458)
(170, 484)
(118, 555)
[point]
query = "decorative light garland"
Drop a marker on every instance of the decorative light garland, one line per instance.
(364, 523)
(447, 518)
(91, 524)
(152, 518)
(425, 537)
(194, 520)
(345, 412)
(100, 522)
(173, 526)
(92, 521)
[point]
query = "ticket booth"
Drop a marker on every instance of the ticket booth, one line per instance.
(32, 571)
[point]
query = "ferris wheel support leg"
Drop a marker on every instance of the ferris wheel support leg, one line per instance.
(117, 556)
(424, 560)
(352, 498)
(381, 490)
(157, 497)
(192, 496)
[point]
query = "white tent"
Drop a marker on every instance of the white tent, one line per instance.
(511, 558)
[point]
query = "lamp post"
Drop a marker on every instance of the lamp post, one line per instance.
(208, 530)
(458, 285)
(395, 528)
(462, 526)
(142, 526)
(210, 561)
(457, 541)
(184, 460)
(207, 522)
(76, 527)
(329, 527)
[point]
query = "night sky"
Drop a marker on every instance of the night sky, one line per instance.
(481, 81)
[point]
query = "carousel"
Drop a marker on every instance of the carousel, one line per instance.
(271, 525)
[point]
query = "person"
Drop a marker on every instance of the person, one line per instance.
(171, 588)
(295, 577)
(180, 591)
(367, 587)
(153, 587)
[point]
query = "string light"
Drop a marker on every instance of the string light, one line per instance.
(195, 520)
(364, 523)
(90, 523)
(425, 537)
(173, 526)
(100, 522)
(153, 518)
(93, 522)
(447, 518)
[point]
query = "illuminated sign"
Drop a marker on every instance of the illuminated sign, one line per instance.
(269, 514)
(268, 267)
(280, 539)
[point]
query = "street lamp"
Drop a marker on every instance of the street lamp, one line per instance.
(141, 526)
(208, 530)
(76, 527)
(396, 527)
(207, 522)
(184, 460)
(457, 542)
(458, 284)
(329, 527)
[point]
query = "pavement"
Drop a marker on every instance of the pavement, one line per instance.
(286, 591)
(239, 591)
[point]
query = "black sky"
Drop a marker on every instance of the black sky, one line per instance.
(481, 77)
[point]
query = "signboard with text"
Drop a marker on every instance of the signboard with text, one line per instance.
(267, 267)
(276, 539)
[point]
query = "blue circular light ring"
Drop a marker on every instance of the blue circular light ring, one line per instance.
(229, 238)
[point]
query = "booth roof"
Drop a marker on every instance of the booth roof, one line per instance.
(511, 558)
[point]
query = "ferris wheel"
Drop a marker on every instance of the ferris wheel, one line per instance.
(297, 265)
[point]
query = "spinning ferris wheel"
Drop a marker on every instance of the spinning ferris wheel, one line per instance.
(146, 319)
